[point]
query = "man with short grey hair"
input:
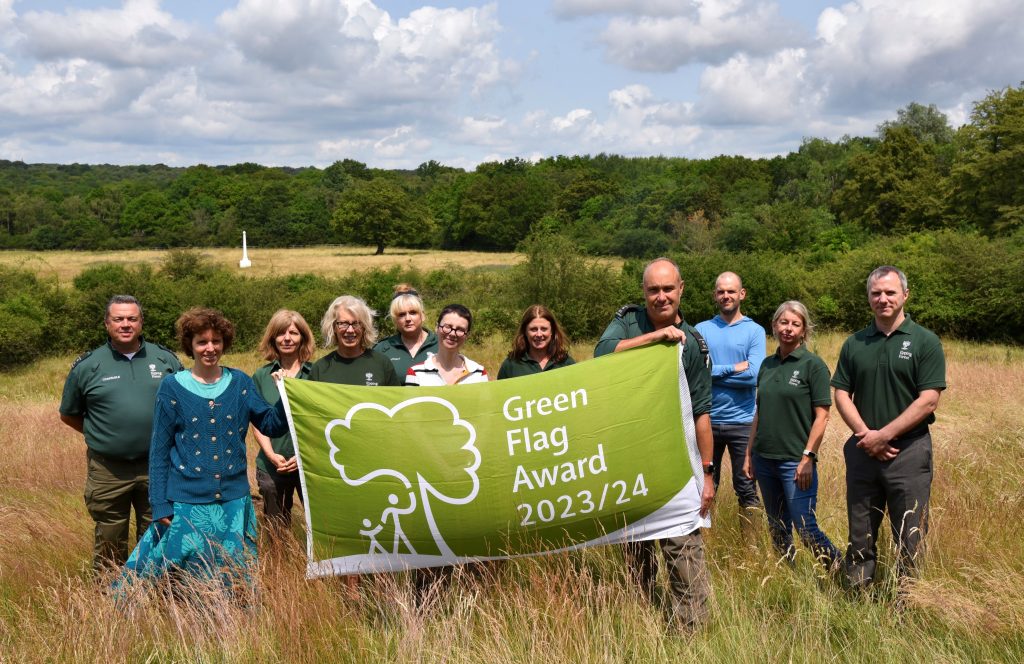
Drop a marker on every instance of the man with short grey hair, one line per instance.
(108, 397)
(887, 383)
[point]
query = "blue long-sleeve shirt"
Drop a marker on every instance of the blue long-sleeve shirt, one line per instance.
(732, 392)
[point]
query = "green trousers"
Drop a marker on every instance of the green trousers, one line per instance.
(113, 488)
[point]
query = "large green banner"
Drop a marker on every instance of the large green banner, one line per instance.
(595, 453)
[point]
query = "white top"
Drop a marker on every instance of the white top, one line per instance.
(425, 374)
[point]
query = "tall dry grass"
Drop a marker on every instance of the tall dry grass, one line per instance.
(967, 607)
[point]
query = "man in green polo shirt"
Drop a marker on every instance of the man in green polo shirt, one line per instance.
(661, 321)
(887, 386)
(109, 396)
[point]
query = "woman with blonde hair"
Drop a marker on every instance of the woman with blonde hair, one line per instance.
(288, 344)
(348, 326)
(793, 400)
(412, 343)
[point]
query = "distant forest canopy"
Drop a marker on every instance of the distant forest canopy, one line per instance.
(827, 198)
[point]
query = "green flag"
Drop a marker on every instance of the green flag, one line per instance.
(598, 452)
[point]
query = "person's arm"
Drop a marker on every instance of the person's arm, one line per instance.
(920, 408)
(160, 443)
(669, 333)
(748, 462)
(267, 446)
(705, 443)
(76, 422)
(805, 469)
(743, 374)
(879, 449)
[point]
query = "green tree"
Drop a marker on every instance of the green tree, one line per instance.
(989, 190)
(896, 188)
(927, 123)
(379, 211)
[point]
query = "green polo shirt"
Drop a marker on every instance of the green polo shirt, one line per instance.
(267, 388)
(787, 392)
(370, 368)
(395, 350)
(631, 321)
(115, 397)
(512, 368)
(886, 374)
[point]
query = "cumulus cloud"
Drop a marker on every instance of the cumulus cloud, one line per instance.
(139, 34)
(662, 36)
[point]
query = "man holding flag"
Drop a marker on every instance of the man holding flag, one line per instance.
(661, 321)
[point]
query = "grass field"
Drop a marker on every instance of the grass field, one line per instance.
(968, 607)
(328, 261)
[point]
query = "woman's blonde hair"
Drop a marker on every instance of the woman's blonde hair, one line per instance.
(405, 297)
(279, 322)
(798, 308)
(359, 310)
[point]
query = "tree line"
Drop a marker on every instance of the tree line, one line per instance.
(828, 197)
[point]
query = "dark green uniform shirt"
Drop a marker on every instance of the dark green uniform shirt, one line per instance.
(267, 388)
(631, 321)
(886, 374)
(787, 392)
(527, 366)
(395, 350)
(115, 397)
(370, 368)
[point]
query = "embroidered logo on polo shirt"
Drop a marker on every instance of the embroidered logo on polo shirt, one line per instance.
(106, 378)
(370, 382)
(794, 379)
(905, 353)
(153, 373)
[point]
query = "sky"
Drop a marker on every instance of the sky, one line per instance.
(395, 83)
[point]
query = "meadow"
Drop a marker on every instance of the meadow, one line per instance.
(967, 607)
(323, 260)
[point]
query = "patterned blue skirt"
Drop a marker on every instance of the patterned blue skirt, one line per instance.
(211, 541)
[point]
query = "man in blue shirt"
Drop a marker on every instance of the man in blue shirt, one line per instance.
(737, 346)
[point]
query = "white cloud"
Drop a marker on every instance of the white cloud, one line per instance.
(757, 91)
(139, 34)
(662, 36)
(574, 8)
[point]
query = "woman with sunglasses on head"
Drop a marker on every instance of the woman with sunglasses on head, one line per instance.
(540, 345)
(449, 366)
(412, 343)
(348, 326)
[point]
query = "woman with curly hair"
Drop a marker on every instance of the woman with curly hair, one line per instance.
(204, 523)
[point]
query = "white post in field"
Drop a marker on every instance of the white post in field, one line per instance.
(245, 262)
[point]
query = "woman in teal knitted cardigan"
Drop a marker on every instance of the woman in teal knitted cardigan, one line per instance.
(204, 523)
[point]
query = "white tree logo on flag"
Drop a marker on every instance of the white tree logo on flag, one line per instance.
(417, 483)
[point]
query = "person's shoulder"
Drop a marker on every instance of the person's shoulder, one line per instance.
(628, 312)
(263, 371)
(708, 325)
(385, 344)
(474, 367)
(752, 325)
(86, 361)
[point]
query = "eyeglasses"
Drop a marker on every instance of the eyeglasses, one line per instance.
(347, 325)
(448, 329)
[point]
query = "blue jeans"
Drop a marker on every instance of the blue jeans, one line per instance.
(786, 506)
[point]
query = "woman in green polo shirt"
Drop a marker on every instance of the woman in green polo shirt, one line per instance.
(412, 343)
(540, 345)
(288, 345)
(793, 401)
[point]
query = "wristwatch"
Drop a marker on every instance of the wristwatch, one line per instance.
(709, 468)
(811, 455)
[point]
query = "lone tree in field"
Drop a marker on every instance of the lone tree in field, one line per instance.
(377, 212)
